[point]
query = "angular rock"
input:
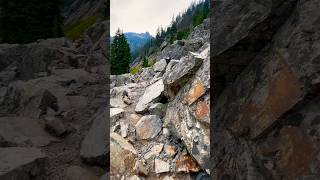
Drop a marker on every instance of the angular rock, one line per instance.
(79, 173)
(141, 168)
(158, 109)
(188, 114)
(161, 166)
(123, 157)
(21, 163)
(55, 125)
(170, 65)
(181, 73)
(186, 164)
(155, 151)
(160, 66)
(21, 131)
(148, 127)
(94, 148)
(124, 129)
(116, 114)
(152, 94)
(170, 150)
(117, 103)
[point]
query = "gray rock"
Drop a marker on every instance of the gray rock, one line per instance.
(117, 103)
(55, 126)
(188, 114)
(22, 131)
(152, 94)
(116, 114)
(161, 166)
(94, 148)
(21, 163)
(123, 157)
(181, 73)
(158, 109)
(160, 66)
(171, 65)
(119, 80)
(148, 127)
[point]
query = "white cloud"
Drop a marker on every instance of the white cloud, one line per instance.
(144, 15)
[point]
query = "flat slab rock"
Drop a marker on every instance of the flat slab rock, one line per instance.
(17, 163)
(23, 131)
(94, 147)
(152, 94)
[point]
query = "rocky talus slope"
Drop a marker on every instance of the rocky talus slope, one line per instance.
(265, 91)
(160, 127)
(53, 108)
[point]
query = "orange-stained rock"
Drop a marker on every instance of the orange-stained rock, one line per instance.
(202, 110)
(195, 92)
(186, 163)
(283, 92)
(170, 150)
(123, 156)
(297, 152)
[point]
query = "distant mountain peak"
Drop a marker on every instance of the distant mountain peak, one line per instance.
(137, 40)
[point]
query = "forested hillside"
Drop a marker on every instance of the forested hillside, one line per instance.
(179, 29)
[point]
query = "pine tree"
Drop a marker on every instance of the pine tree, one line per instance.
(24, 21)
(145, 62)
(120, 54)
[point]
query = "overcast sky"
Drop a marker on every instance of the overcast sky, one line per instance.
(144, 15)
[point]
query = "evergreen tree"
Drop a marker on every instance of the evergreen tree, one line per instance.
(145, 62)
(24, 21)
(120, 54)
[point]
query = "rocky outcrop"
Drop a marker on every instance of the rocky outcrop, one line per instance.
(50, 96)
(21, 163)
(266, 87)
(94, 148)
(166, 126)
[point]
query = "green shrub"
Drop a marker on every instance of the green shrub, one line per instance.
(182, 35)
(134, 70)
(145, 63)
(74, 31)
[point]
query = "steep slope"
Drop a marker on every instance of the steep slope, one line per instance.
(160, 115)
(76, 10)
(265, 108)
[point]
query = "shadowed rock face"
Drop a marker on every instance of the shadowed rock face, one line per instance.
(262, 112)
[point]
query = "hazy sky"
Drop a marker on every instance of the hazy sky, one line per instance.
(144, 15)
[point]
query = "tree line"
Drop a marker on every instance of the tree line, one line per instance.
(179, 29)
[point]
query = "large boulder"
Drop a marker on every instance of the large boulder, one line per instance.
(181, 73)
(18, 163)
(160, 66)
(123, 157)
(94, 148)
(148, 127)
(188, 113)
(152, 94)
(23, 131)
